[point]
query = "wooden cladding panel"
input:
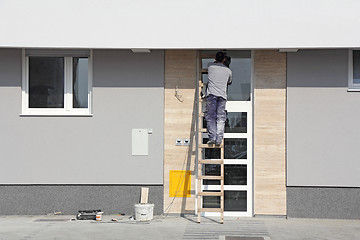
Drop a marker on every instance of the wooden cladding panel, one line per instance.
(179, 121)
(269, 133)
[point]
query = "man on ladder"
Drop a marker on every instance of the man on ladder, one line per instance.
(219, 76)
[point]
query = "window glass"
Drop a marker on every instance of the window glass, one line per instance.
(46, 82)
(236, 122)
(356, 67)
(206, 61)
(239, 90)
(240, 66)
(211, 201)
(235, 148)
(235, 201)
(204, 77)
(80, 82)
(211, 153)
(211, 170)
(234, 174)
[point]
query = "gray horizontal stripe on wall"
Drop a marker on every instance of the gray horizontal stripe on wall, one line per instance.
(58, 52)
(69, 199)
(323, 202)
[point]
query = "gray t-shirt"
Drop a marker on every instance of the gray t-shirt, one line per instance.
(219, 77)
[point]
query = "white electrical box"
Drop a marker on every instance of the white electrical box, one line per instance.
(140, 142)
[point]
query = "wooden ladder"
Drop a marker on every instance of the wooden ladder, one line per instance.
(201, 161)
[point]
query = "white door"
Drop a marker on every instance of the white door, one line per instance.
(237, 138)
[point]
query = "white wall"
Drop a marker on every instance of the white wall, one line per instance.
(241, 24)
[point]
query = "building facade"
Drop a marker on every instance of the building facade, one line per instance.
(92, 111)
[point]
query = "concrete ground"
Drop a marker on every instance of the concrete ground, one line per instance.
(173, 228)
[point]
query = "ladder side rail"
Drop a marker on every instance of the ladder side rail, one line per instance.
(199, 150)
(222, 183)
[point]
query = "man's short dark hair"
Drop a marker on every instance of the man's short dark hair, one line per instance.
(219, 56)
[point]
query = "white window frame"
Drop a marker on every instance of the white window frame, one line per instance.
(68, 91)
(351, 86)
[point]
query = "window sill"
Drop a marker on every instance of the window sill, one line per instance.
(353, 90)
(56, 115)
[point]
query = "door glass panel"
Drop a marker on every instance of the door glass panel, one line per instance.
(236, 122)
(234, 174)
(239, 90)
(235, 148)
(205, 61)
(203, 90)
(235, 201)
(211, 201)
(211, 153)
(204, 77)
(211, 170)
(240, 66)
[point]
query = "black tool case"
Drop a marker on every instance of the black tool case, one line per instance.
(87, 214)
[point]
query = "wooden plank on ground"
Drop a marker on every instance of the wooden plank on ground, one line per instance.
(144, 195)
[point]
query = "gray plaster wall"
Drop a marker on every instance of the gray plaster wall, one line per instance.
(69, 199)
(128, 92)
(323, 202)
(322, 121)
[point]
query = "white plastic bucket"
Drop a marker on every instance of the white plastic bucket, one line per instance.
(144, 211)
(99, 216)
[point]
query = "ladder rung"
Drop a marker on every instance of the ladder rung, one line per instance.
(211, 162)
(203, 130)
(211, 177)
(202, 100)
(210, 210)
(203, 70)
(209, 146)
(213, 194)
(201, 114)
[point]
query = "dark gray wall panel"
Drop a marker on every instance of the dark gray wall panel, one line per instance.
(10, 67)
(43, 199)
(128, 93)
(340, 203)
(322, 120)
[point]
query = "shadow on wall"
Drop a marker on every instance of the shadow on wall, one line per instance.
(10, 68)
(317, 68)
(111, 68)
(191, 155)
(123, 68)
(269, 69)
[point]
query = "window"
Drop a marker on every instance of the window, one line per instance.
(56, 82)
(354, 70)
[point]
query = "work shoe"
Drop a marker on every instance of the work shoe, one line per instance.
(218, 143)
(210, 142)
